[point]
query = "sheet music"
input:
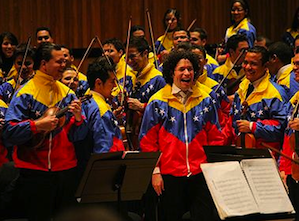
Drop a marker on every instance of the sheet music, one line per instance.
(229, 189)
(266, 185)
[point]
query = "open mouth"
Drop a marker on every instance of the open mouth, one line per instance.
(186, 80)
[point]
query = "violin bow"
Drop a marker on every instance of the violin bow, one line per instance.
(126, 60)
(190, 26)
(152, 36)
(234, 64)
(279, 153)
(21, 69)
(166, 30)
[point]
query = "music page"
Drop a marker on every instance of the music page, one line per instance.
(266, 185)
(229, 189)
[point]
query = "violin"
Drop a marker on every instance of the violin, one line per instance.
(37, 141)
(294, 144)
(245, 140)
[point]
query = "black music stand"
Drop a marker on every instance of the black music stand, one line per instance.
(116, 177)
(232, 153)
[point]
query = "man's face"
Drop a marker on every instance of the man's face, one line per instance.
(296, 66)
(27, 67)
(56, 65)
(70, 79)
(202, 60)
(243, 45)
(43, 36)
(183, 76)
(106, 88)
(253, 67)
(111, 51)
(67, 56)
(179, 36)
(196, 40)
(137, 60)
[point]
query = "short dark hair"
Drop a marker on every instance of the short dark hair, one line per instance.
(100, 68)
(116, 43)
(261, 38)
(173, 59)
(44, 52)
(203, 34)
(20, 50)
(140, 44)
(136, 28)
(260, 50)
(70, 50)
(177, 29)
(43, 29)
(234, 40)
(184, 46)
(283, 52)
(201, 48)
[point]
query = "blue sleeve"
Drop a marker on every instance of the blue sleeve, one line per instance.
(273, 128)
(101, 129)
(17, 129)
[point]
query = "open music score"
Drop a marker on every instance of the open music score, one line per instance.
(252, 186)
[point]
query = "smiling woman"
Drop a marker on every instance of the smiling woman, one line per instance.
(8, 45)
(241, 22)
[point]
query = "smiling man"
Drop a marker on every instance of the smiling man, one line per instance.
(104, 133)
(43, 34)
(265, 116)
(48, 171)
(148, 79)
(178, 121)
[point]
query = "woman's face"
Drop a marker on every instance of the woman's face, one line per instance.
(238, 12)
(7, 48)
(172, 20)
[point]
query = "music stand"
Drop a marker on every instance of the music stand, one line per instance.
(232, 153)
(118, 176)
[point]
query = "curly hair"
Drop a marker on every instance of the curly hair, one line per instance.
(173, 59)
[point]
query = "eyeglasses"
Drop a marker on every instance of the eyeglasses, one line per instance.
(132, 56)
(296, 64)
(237, 9)
(43, 37)
(26, 63)
(194, 39)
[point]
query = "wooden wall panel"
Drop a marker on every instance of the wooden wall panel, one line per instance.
(75, 22)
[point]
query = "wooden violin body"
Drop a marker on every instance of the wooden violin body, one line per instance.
(39, 138)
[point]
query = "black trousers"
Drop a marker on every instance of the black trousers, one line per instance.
(43, 194)
(294, 194)
(186, 193)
